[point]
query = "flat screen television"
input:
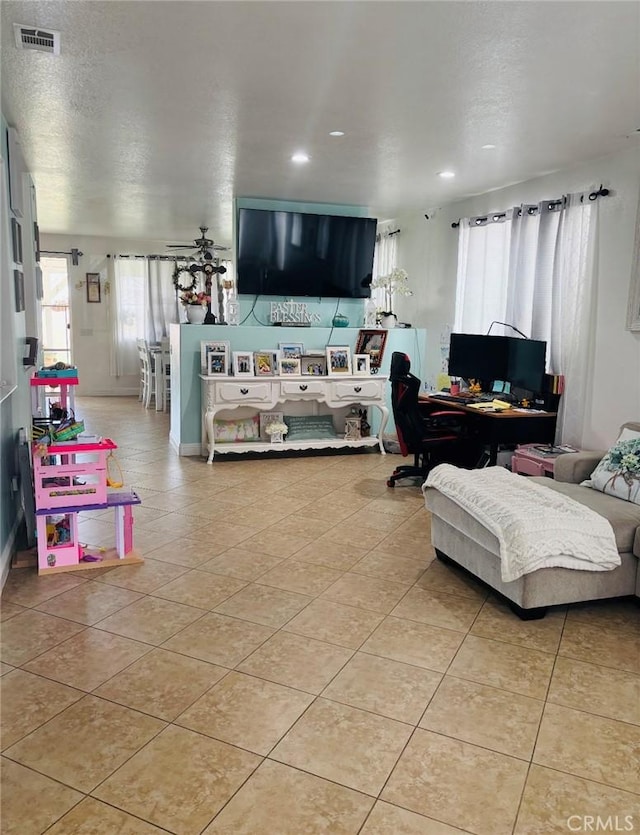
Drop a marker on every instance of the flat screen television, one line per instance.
(297, 254)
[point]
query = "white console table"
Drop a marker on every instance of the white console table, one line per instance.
(265, 393)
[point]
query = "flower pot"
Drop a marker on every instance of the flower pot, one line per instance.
(195, 313)
(389, 320)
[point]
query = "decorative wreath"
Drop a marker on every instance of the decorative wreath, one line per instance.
(208, 269)
(176, 279)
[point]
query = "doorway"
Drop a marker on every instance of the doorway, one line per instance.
(56, 320)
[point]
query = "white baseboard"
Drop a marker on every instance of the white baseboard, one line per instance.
(7, 551)
(188, 449)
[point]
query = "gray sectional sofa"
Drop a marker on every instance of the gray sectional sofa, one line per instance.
(459, 538)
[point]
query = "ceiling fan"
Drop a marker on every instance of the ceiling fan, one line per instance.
(204, 246)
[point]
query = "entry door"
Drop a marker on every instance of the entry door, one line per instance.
(56, 323)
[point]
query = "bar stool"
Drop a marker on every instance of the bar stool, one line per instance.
(147, 373)
(162, 367)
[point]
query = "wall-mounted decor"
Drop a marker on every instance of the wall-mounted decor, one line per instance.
(93, 288)
(633, 314)
(16, 170)
(36, 241)
(18, 283)
(16, 240)
(39, 284)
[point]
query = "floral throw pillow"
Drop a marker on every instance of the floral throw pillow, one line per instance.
(236, 431)
(618, 474)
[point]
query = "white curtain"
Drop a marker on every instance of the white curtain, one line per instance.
(161, 303)
(384, 259)
(535, 269)
(143, 304)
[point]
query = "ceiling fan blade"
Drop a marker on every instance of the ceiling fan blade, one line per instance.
(179, 246)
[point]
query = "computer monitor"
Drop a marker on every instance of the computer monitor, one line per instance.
(526, 363)
(474, 356)
(520, 362)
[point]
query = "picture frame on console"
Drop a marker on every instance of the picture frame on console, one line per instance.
(313, 365)
(219, 346)
(338, 360)
(290, 349)
(266, 363)
(265, 419)
(243, 364)
(289, 366)
(361, 365)
(217, 364)
(372, 342)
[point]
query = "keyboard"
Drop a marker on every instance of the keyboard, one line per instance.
(454, 398)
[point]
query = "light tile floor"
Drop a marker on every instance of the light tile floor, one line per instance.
(290, 659)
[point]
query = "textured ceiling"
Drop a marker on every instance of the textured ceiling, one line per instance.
(157, 114)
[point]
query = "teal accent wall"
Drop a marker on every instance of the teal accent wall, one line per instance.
(186, 413)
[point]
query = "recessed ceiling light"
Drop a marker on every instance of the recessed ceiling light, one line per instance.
(488, 147)
(300, 157)
(336, 133)
(446, 175)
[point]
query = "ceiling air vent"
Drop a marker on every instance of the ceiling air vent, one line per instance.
(42, 40)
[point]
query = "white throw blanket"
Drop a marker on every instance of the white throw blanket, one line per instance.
(536, 527)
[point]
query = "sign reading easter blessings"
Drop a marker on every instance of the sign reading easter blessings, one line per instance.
(291, 312)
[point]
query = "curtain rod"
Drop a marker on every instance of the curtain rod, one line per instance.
(496, 217)
(74, 253)
(159, 257)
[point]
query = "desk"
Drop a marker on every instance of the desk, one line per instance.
(509, 427)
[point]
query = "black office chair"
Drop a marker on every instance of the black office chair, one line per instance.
(432, 435)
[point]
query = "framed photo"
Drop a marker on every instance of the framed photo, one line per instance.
(18, 283)
(361, 365)
(313, 365)
(372, 342)
(218, 347)
(265, 419)
(289, 366)
(265, 363)
(291, 349)
(217, 364)
(338, 360)
(39, 284)
(36, 241)
(243, 363)
(16, 240)
(93, 288)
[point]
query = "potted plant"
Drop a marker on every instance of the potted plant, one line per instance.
(396, 283)
(195, 305)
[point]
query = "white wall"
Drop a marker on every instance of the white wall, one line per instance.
(428, 251)
(91, 323)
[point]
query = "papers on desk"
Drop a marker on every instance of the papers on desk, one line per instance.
(491, 406)
(530, 411)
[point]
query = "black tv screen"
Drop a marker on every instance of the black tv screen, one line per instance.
(297, 254)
